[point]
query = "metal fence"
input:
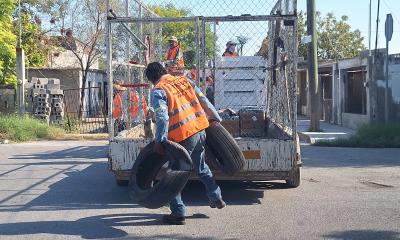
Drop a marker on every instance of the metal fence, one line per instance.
(256, 85)
(91, 117)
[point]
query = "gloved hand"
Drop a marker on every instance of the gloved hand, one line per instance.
(159, 148)
(212, 122)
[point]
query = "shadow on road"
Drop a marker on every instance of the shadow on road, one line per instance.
(85, 152)
(233, 192)
(90, 188)
(78, 179)
(94, 187)
(94, 227)
(89, 185)
(364, 235)
(333, 157)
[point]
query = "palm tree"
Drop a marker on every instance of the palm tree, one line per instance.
(242, 40)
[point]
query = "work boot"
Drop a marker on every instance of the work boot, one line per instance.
(173, 220)
(217, 204)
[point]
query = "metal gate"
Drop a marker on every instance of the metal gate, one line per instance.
(89, 116)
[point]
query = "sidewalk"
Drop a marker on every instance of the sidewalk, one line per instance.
(329, 131)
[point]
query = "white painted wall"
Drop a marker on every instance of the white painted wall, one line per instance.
(62, 58)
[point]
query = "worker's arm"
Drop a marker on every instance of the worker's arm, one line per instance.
(179, 54)
(209, 109)
(160, 106)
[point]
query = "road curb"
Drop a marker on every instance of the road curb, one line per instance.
(82, 137)
(304, 138)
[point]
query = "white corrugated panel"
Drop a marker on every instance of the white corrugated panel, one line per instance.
(240, 82)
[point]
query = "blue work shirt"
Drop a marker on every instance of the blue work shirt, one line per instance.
(159, 103)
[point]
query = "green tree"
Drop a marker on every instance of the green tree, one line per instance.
(242, 40)
(36, 51)
(335, 38)
(184, 31)
(76, 26)
(32, 41)
(301, 32)
(7, 43)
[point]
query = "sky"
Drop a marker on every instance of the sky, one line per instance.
(356, 10)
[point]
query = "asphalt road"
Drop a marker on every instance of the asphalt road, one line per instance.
(63, 190)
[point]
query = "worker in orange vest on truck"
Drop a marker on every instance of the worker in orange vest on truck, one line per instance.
(120, 103)
(230, 50)
(174, 58)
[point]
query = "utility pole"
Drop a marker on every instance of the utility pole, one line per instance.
(313, 67)
(369, 28)
(377, 27)
(20, 63)
(388, 36)
(21, 80)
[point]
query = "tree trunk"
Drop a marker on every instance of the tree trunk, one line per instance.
(80, 112)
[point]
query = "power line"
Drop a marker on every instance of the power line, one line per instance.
(390, 10)
(377, 26)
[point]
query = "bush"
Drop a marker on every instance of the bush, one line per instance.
(19, 129)
(370, 136)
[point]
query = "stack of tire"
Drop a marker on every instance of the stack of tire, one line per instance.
(157, 179)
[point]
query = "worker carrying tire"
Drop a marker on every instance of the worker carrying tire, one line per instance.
(182, 113)
(120, 103)
(174, 57)
(230, 50)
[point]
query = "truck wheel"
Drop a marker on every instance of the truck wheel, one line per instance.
(143, 186)
(294, 178)
(122, 183)
(228, 156)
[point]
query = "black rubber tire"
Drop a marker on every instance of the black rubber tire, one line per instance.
(294, 178)
(143, 186)
(211, 160)
(228, 156)
(122, 183)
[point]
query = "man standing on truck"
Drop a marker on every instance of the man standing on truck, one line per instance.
(182, 114)
(174, 58)
(230, 50)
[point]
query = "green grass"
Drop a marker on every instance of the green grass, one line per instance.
(370, 136)
(19, 129)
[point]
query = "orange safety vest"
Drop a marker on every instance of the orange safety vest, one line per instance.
(117, 111)
(186, 116)
(172, 54)
(229, 54)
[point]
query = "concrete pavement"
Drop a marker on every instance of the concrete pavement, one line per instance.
(62, 190)
(329, 131)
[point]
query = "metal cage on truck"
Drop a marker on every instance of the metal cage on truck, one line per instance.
(255, 91)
